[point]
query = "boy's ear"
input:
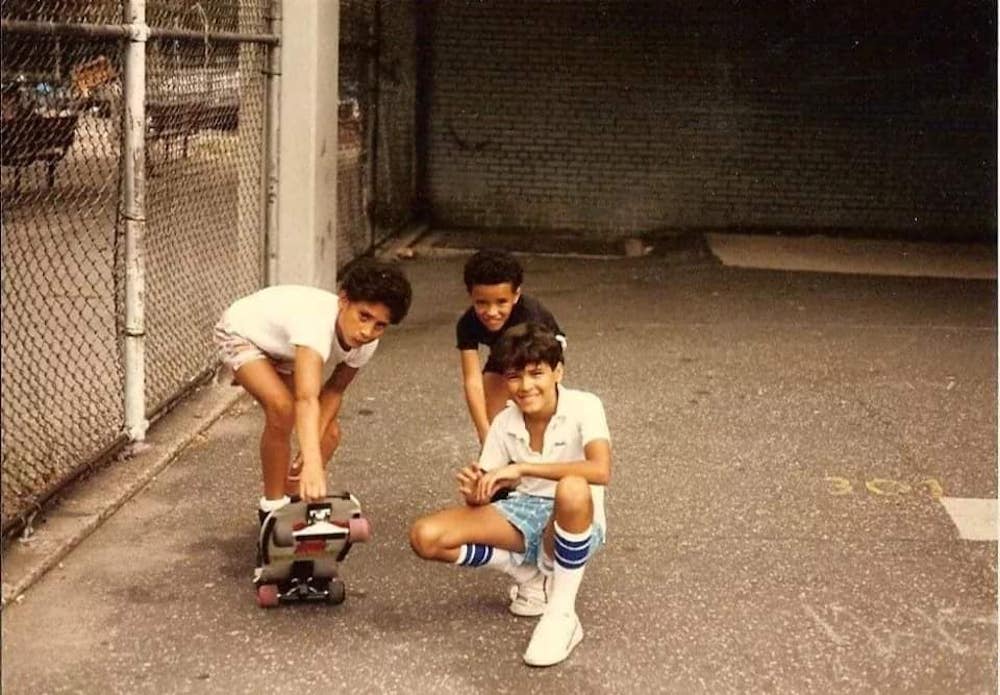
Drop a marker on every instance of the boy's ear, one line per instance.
(343, 300)
(517, 295)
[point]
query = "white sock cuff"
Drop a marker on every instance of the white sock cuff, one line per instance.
(545, 563)
(570, 536)
(267, 505)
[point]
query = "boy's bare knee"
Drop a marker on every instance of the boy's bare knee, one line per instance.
(280, 415)
(573, 494)
(424, 537)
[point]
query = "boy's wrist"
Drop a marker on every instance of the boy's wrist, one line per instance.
(311, 464)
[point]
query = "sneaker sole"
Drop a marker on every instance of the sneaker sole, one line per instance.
(575, 640)
(523, 611)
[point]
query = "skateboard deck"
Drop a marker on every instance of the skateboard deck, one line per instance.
(301, 547)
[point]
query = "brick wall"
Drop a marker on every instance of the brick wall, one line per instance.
(629, 116)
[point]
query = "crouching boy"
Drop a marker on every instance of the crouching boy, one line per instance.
(551, 449)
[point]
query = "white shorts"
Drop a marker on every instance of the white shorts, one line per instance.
(235, 351)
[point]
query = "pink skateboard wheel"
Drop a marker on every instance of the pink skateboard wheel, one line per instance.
(267, 595)
(359, 529)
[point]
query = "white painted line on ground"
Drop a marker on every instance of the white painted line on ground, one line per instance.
(856, 256)
(976, 519)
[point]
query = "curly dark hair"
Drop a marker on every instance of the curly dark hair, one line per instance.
(527, 343)
(493, 267)
(368, 280)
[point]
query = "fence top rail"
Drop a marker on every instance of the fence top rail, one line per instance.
(124, 31)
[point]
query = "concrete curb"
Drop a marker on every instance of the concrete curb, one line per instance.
(86, 505)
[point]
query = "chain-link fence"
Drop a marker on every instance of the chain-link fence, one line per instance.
(72, 257)
(354, 172)
(377, 167)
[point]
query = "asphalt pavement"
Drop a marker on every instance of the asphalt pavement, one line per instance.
(783, 442)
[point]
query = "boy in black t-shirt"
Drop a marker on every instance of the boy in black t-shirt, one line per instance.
(493, 279)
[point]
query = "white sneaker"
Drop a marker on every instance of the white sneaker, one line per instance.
(529, 598)
(555, 636)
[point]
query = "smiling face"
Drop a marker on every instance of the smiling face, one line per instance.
(533, 389)
(359, 323)
(493, 304)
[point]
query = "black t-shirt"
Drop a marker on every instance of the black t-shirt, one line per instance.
(470, 333)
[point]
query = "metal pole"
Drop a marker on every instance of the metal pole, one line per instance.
(273, 74)
(134, 216)
(117, 31)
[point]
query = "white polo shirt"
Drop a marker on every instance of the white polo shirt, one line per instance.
(578, 420)
(277, 319)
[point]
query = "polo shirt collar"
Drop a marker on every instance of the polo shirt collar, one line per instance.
(519, 430)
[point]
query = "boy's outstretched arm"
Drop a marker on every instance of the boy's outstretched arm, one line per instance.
(332, 395)
(595, 469)
(308, 377)
(330, 399)
(475, 394)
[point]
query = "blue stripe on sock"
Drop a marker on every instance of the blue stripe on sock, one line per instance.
(571, 554)
(477, 555)
(571, 560)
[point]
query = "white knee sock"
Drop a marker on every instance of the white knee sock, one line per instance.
(516, 568)
(572, 550)
(479, 555)
(267, 505)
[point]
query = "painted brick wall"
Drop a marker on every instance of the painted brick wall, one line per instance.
(630, 116)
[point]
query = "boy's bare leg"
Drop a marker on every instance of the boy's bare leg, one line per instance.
(440, 535)
(328, 443)
(574, 511)
(263, 382)
(495, 389)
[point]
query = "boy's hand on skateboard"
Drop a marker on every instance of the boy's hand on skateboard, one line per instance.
(312, 486)
(467, 478)
(498, 479)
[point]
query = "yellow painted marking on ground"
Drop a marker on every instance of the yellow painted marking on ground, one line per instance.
(841, 486)
(934, 488)
(886, 487)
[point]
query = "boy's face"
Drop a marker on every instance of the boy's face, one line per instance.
(533, 389)
(359, 323)
(493, 303)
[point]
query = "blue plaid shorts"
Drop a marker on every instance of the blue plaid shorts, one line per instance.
(529, 515)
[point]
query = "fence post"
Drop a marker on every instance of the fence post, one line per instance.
(273, 95)
(134, 215)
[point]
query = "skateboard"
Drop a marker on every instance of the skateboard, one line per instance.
(301, 546)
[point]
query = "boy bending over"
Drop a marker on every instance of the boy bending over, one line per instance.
(276, 342)
(551, 447)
